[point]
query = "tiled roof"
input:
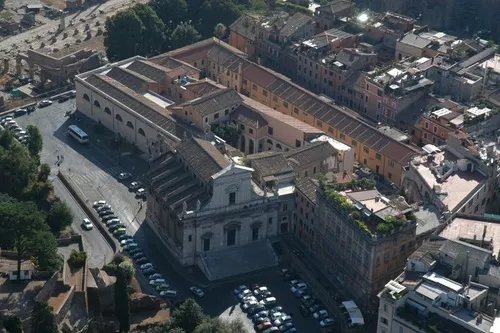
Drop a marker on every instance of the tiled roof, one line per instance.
(148, 69)
(248, 116)
(202, 157)
(202, 88)
(270, 164)
(318, 151)
(297, 96)
(245, 26)
(335, 6)
(133, 101)
(453, 248)
(294, 23)
(308, 187)
(130, 79)
(216, 101)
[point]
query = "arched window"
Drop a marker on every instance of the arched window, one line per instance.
(129, 124)
(86, 97)
(96, 104)
(141, 132)
(278, 146)
(119, 118)
(269, 142)
(107, 110)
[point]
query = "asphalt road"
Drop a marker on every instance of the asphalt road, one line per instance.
(97, 248)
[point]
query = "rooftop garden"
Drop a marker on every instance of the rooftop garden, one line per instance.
(372, 225)
(432, 323)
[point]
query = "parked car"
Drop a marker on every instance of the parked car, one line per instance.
(298, 286)
(169, 293)
(300, 293)
(156, 276)
(262, 313)
(260, 320)
(87, 225)
(149, 271)
(116, 227)
(255, 309)
(142, 261)
(99, 203)
(148, 265)
(282, 320)
(271, 330)
(20, 112)
(105, 211)
(134, 251)
(292, 330)
(63, 98)
(141, 193)
(126, 236)
(163, 286)
(238, 290)
(259, 290)
(315, 308)
(285, 327)
(269, 302)
(307, 300)
(130, 246)
(119, 232)
(137, 255)
(103, 207)
(321, 314)
(5, 120)
(127, 241)
(243, 293)
(44, 103)
(124, 175)
(246, 306)
(112, 222)
(134, 185)
(157, 282)
(327, 322)
(109, 217)
(263, 326)
(264, 294)
(197, 291)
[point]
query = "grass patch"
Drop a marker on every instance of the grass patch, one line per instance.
(6, 15)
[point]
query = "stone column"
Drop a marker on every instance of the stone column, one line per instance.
(5, 65)
(62, 22)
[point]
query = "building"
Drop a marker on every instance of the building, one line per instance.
(329, 14)
(387, 29)
(242, 34)
(424, 43)
(455, 179)
(435, 292)
(272, 33)
(382, 154)
(437, 125)
(203, 206)
(361, 238)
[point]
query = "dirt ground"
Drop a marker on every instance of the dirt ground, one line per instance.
(18, 297)
(61, 4)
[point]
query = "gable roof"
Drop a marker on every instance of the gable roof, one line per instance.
(203, 87)
(215, 101)
(248, 116)
(294, 23)
(202, 157)
(130, 79)
(245, 26)
(269, 164)
(454, 247)
(335, 6)
(148, 69)
(312, 152)
(308, 187)
(428, 251)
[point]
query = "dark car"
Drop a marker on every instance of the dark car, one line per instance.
(116, 227)
(72, 94)
(149, 271)
(105, 211)
(20, 112)
(31, 108)
(109, 217)
(142, 260)
(63, 98)
(256, 309)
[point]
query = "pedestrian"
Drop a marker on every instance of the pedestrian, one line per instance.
(58, 157)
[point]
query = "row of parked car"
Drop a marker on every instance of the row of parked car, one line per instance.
(9, 123)
(310, 306)
(263, 309)
(118, 229)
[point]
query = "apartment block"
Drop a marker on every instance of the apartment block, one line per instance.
(327, 15)
(242, 34)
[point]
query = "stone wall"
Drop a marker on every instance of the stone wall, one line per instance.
(44, 293)
(63, 309)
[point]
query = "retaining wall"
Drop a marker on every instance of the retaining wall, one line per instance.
(79, 197)
(44, 293)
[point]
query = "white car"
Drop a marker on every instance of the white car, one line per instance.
(140, 192)
(157, 282)
(134, 185)
(147, 265)
(124, 175)
(99, 203)
(298, 286)
(44, 103)
(197, 291)
(243, 293)
(320, 314)
(87, 225)
(259, 290)
(238, 290)
(126, 241)
(169, 293)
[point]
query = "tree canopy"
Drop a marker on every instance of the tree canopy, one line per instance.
(124, 31)
(217, 11)
(122, 301)
(59, 217)
(42, 318)
(153, 35)
(187, 316)
(44, 249)
(35, 140)
(184, 34)
(171, 12)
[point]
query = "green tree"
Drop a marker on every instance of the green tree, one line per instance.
(270, 5)
(59, 217)
(228, 131)
(122, 302)
(153, 37)
(44, 172)
(35, 140)
(13, 324)
(184, 34)
(42, 318)
(187, 316)
(21, 221)
(18, 167)
(216, 325)
(44, 249)
(171, 12)
(128, 271)
(215, 11)
(123, 35)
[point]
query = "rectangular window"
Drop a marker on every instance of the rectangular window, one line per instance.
(264, 92)
(216, 115)
(285, 104)
(379, 92)
(270, 130)
(354, 143)
(366, 149)
(190, 238)
(255, 234)
(296, 110)
(378, 156)
(275, 98)
(435, 129)
(319, 123)
(250, 131)
(330, 129)
(270, 220)
(254, 87)
(242, 127)
(244, 82)
(391, 163)
(384, 320)
(426, 124)
(232, 198)
(342, 136)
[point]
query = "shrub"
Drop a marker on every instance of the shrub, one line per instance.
(77, 259)
(111, 269)
(118, 258)
(127, 270)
